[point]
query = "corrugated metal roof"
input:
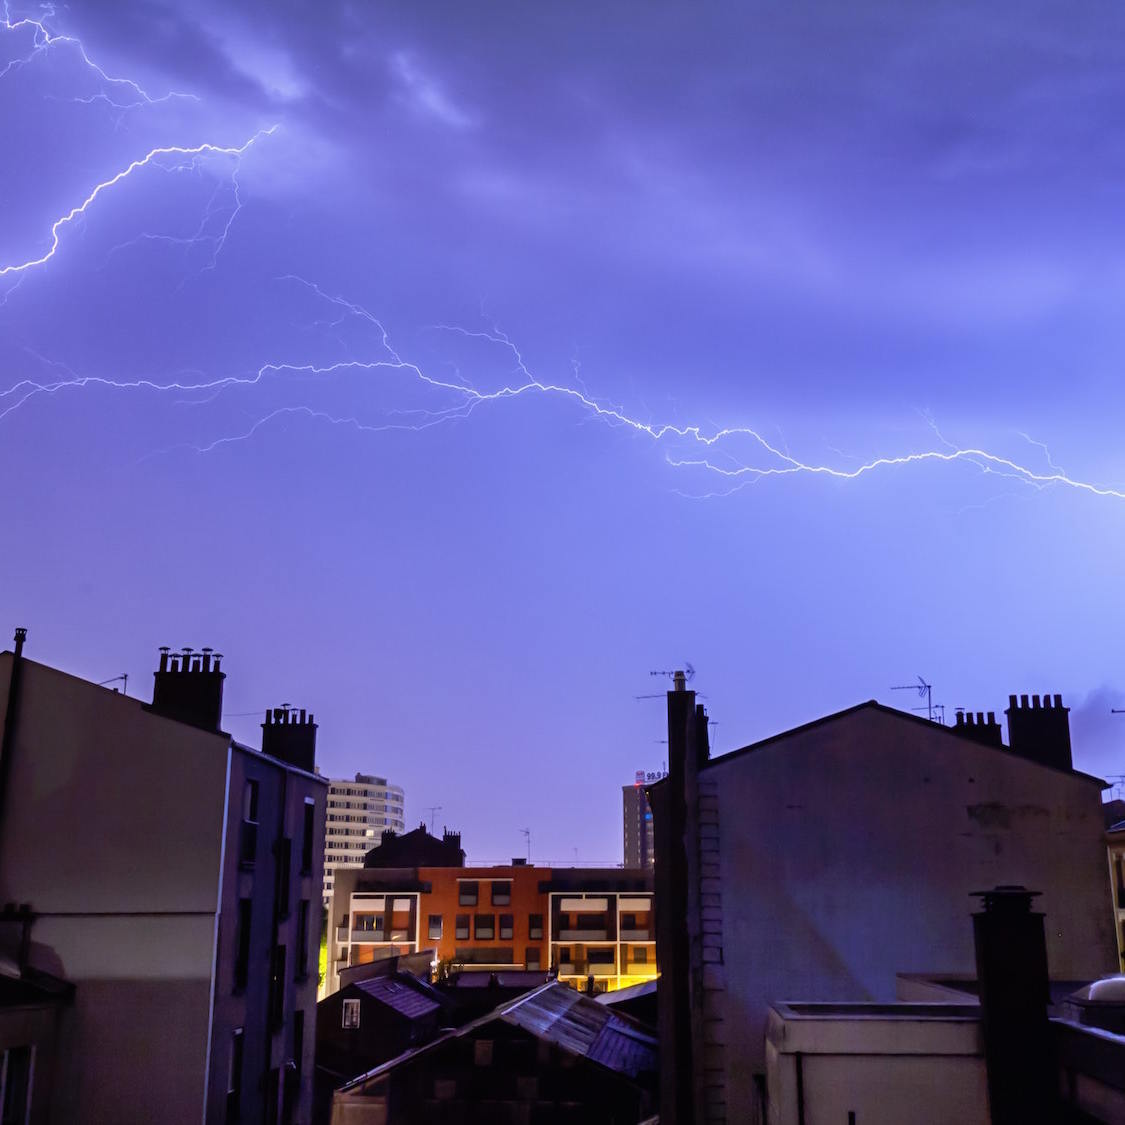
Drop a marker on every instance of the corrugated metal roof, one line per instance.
(584, 1027)
(398, 994)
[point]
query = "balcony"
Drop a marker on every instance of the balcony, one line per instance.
(367, 936)
(636, 935)
(342, 934)
(583, 935)
(602, 970)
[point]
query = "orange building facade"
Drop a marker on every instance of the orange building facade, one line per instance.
(584, 924)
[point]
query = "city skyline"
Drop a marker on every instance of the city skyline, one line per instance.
(358, 369)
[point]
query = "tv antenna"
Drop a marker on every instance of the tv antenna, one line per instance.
(124, 678)
(925, 691)
(526, 833)
(687, 671)
(433, 810)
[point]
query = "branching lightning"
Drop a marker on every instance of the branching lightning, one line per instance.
(43, 41)
(463, 399)
(180, 155)
(734, 456)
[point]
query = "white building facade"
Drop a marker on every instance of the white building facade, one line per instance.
(360, 810)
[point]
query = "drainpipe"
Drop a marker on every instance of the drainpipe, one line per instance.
(7, 743)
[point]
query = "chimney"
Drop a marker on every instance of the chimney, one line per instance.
(189, 688)
(1011, 951)
(453, 838)
(1040, 731)
(978, 727)
(290, 735)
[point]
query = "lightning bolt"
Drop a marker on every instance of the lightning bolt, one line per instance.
(717, 443)
(182, 153)
(43, 41)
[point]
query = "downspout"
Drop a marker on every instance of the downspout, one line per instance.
(11, 715)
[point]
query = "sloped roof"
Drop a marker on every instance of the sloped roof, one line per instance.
(401, 993)
(582, 1026)
(899, 716)
(560, 1015)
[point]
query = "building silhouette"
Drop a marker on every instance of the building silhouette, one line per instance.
(820, 863)
(171, 875)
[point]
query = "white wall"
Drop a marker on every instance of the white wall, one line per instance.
(849, 852)
(112, 832)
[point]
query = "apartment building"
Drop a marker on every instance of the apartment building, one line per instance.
(821, 862)
(360, 810)
(583, 923)
(180, 904)
(637, 820)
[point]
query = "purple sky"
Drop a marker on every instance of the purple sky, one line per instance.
(854, 231)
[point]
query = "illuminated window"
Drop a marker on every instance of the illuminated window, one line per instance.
(350, 1015)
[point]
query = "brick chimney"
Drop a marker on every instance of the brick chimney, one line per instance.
(189, 687)
(1040, 730)
(979, 728)
(290, 735)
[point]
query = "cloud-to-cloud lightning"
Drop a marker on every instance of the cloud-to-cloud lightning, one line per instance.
(180, 153)
(772, 461)
(43, 40)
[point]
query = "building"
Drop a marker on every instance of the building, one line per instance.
(179, 901)
(589, 924)
(1115, 847)
(821, 862)
(637, 818)
(359, 812)
(551, 1055)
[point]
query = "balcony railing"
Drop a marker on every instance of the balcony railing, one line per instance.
(636, 935)
(342, 933)
(367, 935)
(583, 935)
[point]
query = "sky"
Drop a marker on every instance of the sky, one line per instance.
(454, 369)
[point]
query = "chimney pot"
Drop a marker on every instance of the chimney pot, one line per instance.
(1023, 701)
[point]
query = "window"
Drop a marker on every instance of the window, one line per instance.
(591, 922)
(307, 838)
(242, 945)
(535, 926)
(600, 956)
(564, 955)
(299, 1039)
(284, 852)
(234, 1076)
(277, 987)
(502, 893)
(301, 969)
(467, 893)
(628, 921)
(17, 1085)
(250, 801)
(640, 955)
(349, 1019)
(461, 928)
(485, 927)
(506, 924)
(534, 957)
(435, 927)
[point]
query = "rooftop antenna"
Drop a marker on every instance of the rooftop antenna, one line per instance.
(433, 810)
(925, 691)
(124, 678)
(687, 672)
(527, 836)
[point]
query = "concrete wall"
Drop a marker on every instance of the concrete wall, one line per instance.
(884, 1069)
(112, 832)
(849, 853)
